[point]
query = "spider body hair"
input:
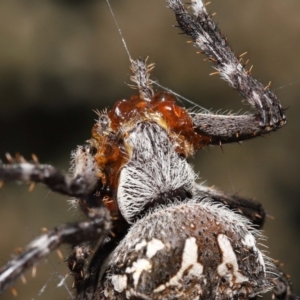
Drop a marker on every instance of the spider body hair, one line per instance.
(152, 230)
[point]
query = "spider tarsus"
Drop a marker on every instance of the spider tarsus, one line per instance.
(206, 36)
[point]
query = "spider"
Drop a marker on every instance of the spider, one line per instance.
(152, 231)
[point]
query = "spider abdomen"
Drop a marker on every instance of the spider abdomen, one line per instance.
(196, 250)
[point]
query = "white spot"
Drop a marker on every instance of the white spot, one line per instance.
(261, 260)
(159, 289)
(249, 242)
(256, 98)
(197, 6)
(196, 270)
(26, 171)
(41, 243)
(153, 246)
(137, 268)
(229, 267)
(27, 167)
(140, 245)
(189, 260)
(119, 282)
(228, 71)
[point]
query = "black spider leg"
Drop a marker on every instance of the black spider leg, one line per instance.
(87, 288)
(97, 226)
(80, 187)
(282, 289)
(225, 128)
(249, 208)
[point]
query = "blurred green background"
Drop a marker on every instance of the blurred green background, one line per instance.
(59, 60)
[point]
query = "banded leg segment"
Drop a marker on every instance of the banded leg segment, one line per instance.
(97, 227)
(80, 186)
(223, 129)
(283, 288)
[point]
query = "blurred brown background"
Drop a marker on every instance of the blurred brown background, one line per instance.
(61, 59)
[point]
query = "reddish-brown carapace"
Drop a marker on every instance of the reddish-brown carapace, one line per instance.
(111, 150)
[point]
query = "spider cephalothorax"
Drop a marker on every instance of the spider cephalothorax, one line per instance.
(154, 232)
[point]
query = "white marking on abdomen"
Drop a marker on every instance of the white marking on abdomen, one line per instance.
(229, 268)
(153, 246)
(119, 282)
(137, 268)
(249, 242)
(189, 261)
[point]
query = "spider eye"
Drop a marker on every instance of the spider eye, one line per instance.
(89, 149)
